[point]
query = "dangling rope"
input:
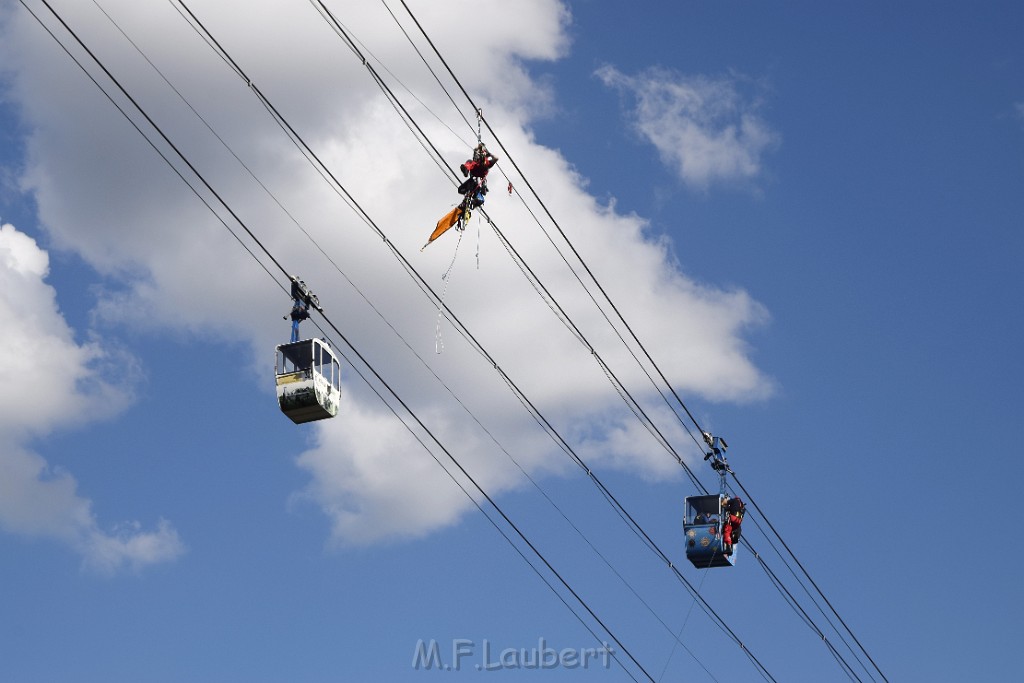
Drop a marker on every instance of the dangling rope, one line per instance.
(479, 140)
(478, 241)
(679, 635)
(438, 341)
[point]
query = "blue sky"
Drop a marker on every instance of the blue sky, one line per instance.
(809, 214)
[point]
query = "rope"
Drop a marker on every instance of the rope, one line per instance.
(438, 340)
(679, 635)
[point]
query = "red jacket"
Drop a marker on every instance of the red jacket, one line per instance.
(731, 526)
(479, 168)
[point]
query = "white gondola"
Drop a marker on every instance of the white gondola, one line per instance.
(308, 380)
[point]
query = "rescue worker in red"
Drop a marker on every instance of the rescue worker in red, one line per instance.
(476, 170)
(734, 510)
(480, 164)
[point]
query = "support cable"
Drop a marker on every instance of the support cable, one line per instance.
(362, 359)
(194, 171)
(615, 308)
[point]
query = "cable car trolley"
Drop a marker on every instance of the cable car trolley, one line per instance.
(711, 523)
(307, 373)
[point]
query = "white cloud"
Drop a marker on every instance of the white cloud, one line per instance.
(127, 546)
(48, 378)
(702, 127)
(110, 199)
(48, 381)
(367, 468)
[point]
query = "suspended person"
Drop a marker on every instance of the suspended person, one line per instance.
(737, 507)
(480, 164)
(475, 170)
(735, 510)
(473, 189)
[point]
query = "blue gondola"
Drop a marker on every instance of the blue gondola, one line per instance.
(702, 527)
(705, 517)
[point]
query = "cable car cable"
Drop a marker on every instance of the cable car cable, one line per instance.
(480, 490)
(649, 424)
(475, 502)
(399, 81)
(628, 327)
(469, 98)
(340, 30)
(157, 128)
(426, 287)
(232, 214)
(340, 334)
(380, 81)
(297, 139)
(273, 110)
(805, 572)
(548, 212)
(780, 586)
(203, 180)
